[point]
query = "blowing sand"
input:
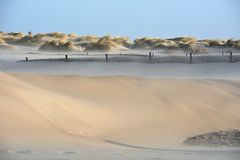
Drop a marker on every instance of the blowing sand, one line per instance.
(152, 113)
(112, 117)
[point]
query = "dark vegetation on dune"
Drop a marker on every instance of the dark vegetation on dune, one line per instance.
(72, 42)
(230, 138)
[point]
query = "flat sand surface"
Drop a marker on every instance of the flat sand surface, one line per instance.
(76, 117)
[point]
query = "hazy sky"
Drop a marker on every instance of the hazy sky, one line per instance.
(133, 18)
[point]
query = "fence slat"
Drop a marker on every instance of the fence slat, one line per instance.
(150, 57)
(190, 61)
(231, 57)
(106, 57)
(66, 57)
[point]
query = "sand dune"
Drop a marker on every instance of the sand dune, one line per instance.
(113, 44)
(50, 109)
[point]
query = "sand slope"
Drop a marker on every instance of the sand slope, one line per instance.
(146, 112)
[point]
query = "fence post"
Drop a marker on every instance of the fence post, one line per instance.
(230, 58)
(106, 57)
(26, 59)
(150, 57)
(190, 57)
(66, 57)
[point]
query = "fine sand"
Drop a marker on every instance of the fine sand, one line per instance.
(44, 109)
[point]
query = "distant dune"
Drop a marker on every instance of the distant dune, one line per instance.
(57, 41)
(41, 109)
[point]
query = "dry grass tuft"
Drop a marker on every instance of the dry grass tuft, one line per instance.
(146, 43)
(166, 44)
(72, 35)
(212, 43)
(157, 43)
(103, 45)
(89, 39)
(108, 43)
(184, 39)
(16, 34)
(57, 35)
(58, 46)
(123, 41)
(30, 41)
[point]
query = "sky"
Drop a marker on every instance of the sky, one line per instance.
(132, 18)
